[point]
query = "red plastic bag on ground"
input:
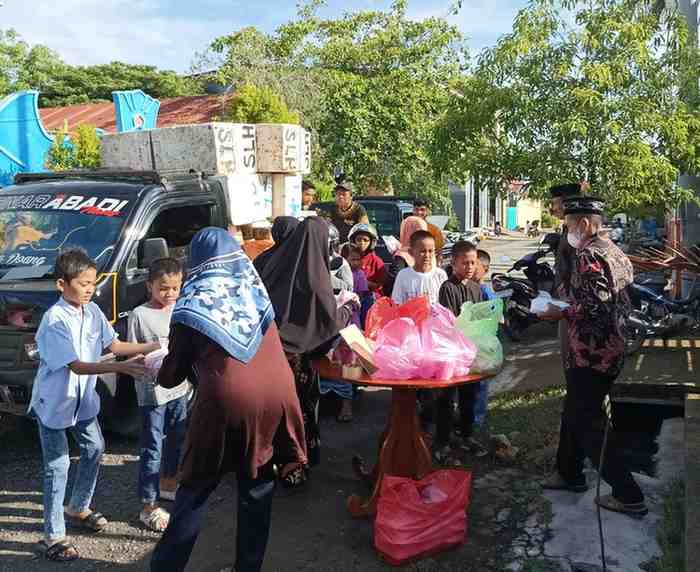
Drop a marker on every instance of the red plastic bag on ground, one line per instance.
(384, 311)
(397, 351)
(419, 518)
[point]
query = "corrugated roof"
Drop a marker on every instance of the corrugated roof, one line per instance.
(173, 111)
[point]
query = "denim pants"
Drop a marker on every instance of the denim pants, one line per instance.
(160, 423)
(252, 531)
(54, 447)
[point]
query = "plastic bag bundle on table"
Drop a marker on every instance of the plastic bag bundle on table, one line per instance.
(385, 310)
(397, 350)
(419, 518)
(447, 353)
(479, 322)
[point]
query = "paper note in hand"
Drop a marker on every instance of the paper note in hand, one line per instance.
(361, 346)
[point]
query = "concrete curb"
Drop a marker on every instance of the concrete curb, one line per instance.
(692, 481)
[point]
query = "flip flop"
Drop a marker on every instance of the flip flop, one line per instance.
(61, 551)
(95, 521)
(635, 510)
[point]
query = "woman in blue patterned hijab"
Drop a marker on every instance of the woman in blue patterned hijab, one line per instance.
(223, 297)
(246, 417)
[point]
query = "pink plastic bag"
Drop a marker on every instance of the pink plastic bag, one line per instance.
(447, 353)
(419, 518)
(397, 351)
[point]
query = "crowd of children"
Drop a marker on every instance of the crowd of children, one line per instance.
(74, 334)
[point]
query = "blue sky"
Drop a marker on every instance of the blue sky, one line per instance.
(167, 33)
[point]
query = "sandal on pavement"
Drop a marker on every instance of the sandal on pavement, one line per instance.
(635, 510)
(61, 551)
(156, 520)
(557, 483)
(95, 521)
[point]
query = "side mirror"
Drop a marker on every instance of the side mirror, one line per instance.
(152, 249)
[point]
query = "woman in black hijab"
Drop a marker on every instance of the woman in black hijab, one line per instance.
(297, 278)
(282, 229)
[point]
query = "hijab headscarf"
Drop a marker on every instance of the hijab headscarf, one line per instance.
(410, 225)
(282, 229)
(223, 297)
(297, 277)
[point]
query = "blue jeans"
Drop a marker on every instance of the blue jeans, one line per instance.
(54, 447)
(158, 423)
(252, 529)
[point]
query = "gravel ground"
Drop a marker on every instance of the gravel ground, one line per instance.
(124, 541)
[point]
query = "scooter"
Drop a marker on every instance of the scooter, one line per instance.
(539, 276)
(656, 315)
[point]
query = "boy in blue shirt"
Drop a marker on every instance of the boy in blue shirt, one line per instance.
(482, 269)
(71, 338)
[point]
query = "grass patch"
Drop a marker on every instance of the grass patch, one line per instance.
(671, 533)
(531, 421)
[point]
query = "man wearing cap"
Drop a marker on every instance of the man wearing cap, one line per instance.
(308, 195)
(600, 274)
(347, 213)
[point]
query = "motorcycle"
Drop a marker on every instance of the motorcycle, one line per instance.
(539, 276)
(656, 315)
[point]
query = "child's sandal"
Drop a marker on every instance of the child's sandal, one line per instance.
(95, 521)
(61, 551)
(156, 521)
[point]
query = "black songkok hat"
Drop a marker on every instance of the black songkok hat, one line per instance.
(568, 190)
(583, 205)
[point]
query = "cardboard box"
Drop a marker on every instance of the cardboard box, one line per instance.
(249, 197)
(212, 148)
(283, 148)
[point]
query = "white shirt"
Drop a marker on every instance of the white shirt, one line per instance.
(61, 398)
(411, 284)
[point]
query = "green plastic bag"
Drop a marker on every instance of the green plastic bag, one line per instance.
(479, 322)
(480, 319)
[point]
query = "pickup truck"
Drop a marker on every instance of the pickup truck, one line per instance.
(124, 220)
(385, 213)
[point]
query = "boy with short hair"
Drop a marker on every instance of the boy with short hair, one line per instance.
(456, 291)
(71, 339)
(482, 269)
(163, 411)
(425, 278)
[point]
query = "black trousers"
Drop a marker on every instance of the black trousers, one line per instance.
(582, 428)
(254, 515)
(466, 395)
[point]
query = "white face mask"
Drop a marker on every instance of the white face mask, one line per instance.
(574, 239)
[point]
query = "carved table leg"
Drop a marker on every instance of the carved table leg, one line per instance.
(404, 452)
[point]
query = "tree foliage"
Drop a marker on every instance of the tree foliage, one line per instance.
(371, 85)
(81, 150)
(607, 97)
(37, 67)
(254, 104)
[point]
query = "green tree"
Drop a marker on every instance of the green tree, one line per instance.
(79, 151)
(254, 104)
(371, 85)
(606, 97)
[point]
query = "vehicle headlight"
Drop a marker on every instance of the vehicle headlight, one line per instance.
(31, 351)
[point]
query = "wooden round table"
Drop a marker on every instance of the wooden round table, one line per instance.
(403, 451)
